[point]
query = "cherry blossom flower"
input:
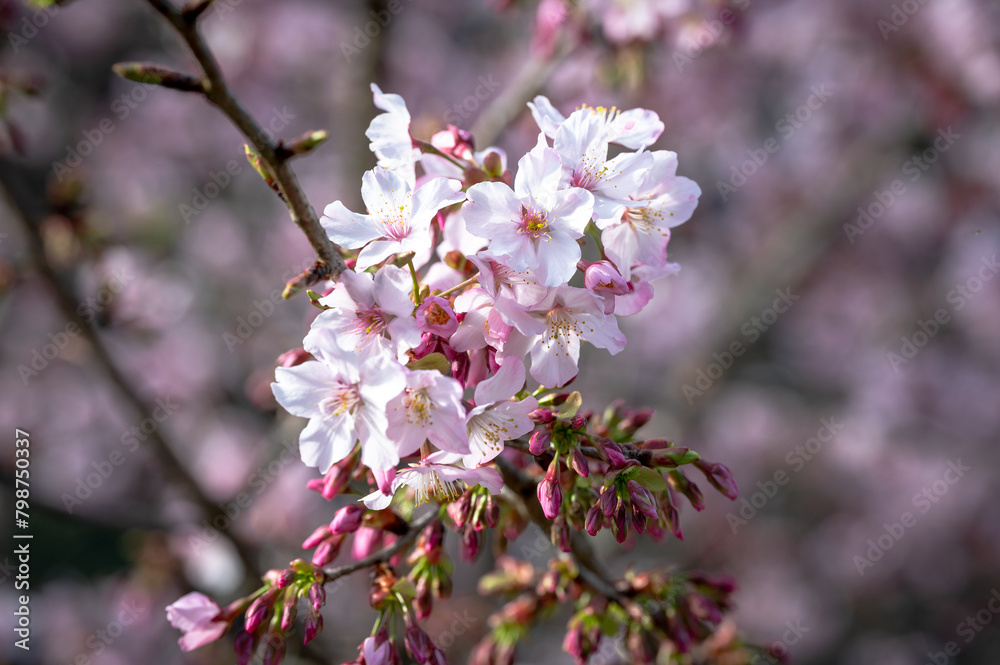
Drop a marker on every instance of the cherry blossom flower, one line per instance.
(429, 408)
(635, 128)
(198, 617)
(512, 291)
(535, 225)
(570, 315)
(398, 220)
(582, 144)
(604, 281)
(435, 315)
(497, 418)
(663, 200)
(372, 314)
(390, 136)
(437, 477)
(345, 398)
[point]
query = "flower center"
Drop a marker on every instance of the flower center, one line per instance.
(419, 408)
(343, 399)
(433, 486)
(534, 222)
(647, 220)
(370, 321)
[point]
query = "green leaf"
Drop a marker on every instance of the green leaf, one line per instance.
(571, 405)
(431, 361)
(405, 587)
(650, 479)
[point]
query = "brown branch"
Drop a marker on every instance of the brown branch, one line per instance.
(17, 194)
(273, 153)
(330, 574)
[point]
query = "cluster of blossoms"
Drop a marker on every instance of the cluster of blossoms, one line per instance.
(437, 364)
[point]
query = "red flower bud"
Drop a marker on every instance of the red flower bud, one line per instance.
(549, 491)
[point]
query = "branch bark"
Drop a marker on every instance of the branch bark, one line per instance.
(272, 153)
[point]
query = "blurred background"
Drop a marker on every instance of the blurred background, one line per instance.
(833, 335)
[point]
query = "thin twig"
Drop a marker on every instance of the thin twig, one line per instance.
(217, 92)
(330, 574)
(17, 193)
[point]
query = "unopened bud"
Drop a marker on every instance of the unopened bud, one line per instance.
(347, 519)
(150, 73)
(303, 143)
(720, 477)
(539, 441)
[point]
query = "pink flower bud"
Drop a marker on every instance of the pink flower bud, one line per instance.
(347, 519)
(435, 315)
(327, 550)
(314, 626)
(246, 644)
(318, 536)
(613, 452)
(595, 519)
(673, 521)
(259, 611)
(603, 280)
(289, 611)
(578, 462)
(470, 543)
(642, 499)
(294, 357)
(578, 423)
(317, 596)
(418, 644)
(549, 491)
(285, 578)
(682, 484)
(366, 542)
(542, 416)
(539, 441)
(720, 477)
(459, 510)
(437, 656)
(274, 650)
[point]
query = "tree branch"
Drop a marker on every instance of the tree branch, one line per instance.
(217, 92)
(330, 574)
(16, 193)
